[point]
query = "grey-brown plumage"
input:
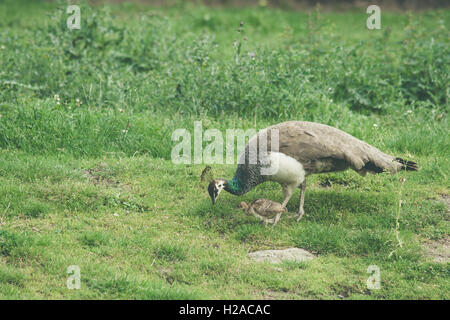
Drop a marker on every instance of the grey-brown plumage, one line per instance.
(305, 148)
(321, 148)
(264, 209)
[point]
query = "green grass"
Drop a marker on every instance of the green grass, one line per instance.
(92, 184)
(179, 246)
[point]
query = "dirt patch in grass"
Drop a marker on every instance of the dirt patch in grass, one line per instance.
(274, 295)
(439, 251)
(445, 198)
(100, 174)
(103, 175)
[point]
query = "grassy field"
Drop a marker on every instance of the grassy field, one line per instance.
(86, 118)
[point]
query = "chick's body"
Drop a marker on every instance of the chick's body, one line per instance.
(264, 209)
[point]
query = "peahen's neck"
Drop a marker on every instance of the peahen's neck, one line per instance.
(235, 186)
(245, 178)
(239, 185)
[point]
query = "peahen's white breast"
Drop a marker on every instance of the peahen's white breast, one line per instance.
(284, 169)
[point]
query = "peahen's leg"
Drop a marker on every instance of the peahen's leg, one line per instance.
(287, 191)
(301, 212)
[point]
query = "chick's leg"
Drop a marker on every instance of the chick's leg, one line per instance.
(265, 220)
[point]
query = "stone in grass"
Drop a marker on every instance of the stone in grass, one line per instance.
(277, 256)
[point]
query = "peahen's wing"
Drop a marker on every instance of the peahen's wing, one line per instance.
(316, 145)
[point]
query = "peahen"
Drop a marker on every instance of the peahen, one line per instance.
(304, 148)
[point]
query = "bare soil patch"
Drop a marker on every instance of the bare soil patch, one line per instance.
(439, 250)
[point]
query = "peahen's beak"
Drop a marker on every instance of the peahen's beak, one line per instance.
(212, 192)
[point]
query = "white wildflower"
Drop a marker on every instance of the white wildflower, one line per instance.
(57, 99)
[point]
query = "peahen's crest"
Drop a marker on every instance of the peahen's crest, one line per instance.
(206, 174)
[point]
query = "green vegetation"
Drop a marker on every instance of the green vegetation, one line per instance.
(86, 118)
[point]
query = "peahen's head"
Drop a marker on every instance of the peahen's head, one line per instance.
(215, 187)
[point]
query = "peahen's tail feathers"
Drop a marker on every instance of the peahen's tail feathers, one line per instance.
(407, 165)
(383, 162)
